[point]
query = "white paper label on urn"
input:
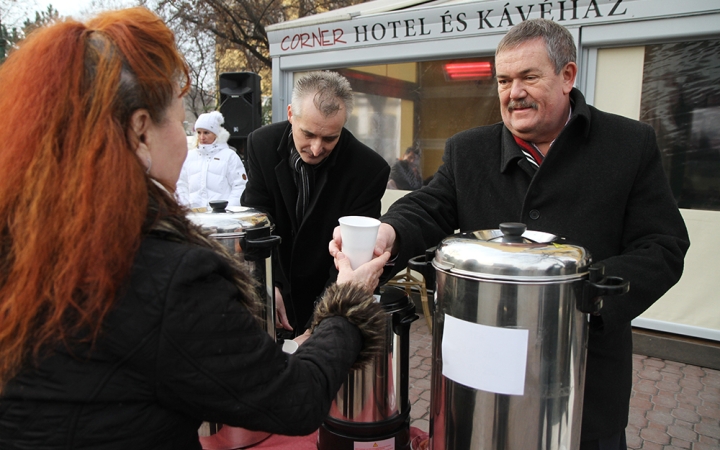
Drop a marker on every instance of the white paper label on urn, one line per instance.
(386, 444)
(491, 359)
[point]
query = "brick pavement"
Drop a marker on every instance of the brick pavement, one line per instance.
(673, 406)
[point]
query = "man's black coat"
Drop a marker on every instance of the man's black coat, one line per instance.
(602, 186)
(353, 183)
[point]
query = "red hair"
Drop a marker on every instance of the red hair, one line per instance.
(73, 194)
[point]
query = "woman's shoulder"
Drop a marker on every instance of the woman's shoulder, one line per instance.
(169, 244)
(192, 156)
(228, 152)
(165, 259)
(155, 249)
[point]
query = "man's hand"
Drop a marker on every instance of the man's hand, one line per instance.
(384, 242)
(367, 274)
(281, 320)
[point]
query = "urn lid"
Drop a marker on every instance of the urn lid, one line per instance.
(231, 222)
(511, 253)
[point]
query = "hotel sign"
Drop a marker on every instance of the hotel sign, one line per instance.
(468, 19)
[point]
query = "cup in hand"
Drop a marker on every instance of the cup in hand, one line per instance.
(358, 238)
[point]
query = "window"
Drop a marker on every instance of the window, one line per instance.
(681, 100)
(420, 105)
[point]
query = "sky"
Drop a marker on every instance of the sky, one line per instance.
(65, 7)
(14, 12)
(72, 8)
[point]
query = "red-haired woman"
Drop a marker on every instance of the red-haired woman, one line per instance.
(121, 325)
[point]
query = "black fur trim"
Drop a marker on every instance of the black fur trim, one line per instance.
(359, 307)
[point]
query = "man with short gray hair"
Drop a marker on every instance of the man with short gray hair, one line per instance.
(307, 172)
(560, 166)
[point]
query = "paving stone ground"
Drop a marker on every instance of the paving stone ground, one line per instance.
(673, 405)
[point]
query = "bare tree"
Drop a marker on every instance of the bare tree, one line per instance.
(240, 24)
(10, 12)
(199, 51)
(199, 48)
(219, 36)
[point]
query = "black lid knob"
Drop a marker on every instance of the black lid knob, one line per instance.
(512, 232)
(218, 206)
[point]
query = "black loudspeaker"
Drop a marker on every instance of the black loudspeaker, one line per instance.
(240, 102)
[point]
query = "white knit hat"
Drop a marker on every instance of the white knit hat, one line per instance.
(210, 121)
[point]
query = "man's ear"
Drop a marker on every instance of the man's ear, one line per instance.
(289, 115)
(569, 73)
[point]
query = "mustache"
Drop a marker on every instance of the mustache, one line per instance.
(521, 104)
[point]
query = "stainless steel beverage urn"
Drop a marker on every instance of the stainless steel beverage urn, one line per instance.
(247, 234)
(372, 408)
(509, 339)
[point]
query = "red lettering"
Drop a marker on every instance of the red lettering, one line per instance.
(323, 38)
(316, 38)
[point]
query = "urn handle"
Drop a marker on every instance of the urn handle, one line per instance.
(597, 286)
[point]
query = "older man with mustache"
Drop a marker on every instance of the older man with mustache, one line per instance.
(561, 166)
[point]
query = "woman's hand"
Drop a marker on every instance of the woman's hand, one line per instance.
(303, 337)
(367, 275)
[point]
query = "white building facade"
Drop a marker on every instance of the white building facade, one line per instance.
(423, 71)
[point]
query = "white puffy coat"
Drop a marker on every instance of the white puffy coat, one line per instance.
(211, 172)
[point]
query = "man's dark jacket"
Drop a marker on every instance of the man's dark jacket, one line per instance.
(602, 186)
(176, 349)
(353, 183)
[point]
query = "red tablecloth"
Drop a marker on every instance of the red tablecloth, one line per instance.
(224, 440)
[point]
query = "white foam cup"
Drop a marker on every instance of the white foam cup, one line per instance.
(358, 238)
(289, 346)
